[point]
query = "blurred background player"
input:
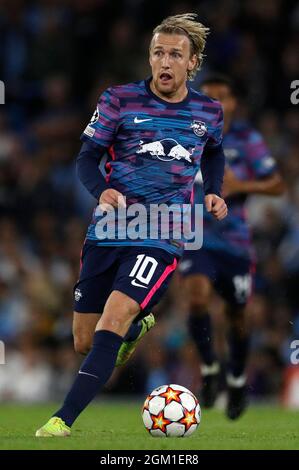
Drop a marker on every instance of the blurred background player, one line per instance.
(226, 260)
(139, 124)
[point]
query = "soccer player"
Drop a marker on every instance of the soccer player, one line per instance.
(158, 132)
(226, 259)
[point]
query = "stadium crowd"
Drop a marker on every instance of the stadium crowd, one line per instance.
(56, 57)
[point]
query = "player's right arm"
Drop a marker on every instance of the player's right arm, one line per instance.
(97, 138)
(94, 181)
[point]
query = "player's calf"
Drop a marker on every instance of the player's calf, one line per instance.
(82, 345)
(84, 325)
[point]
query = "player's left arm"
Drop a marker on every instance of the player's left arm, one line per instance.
(265, 175)
(212, 169)
(272, 185)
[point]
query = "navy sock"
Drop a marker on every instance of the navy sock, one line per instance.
(239, 349)
(95, 370)
(133, 332)
(200, 330)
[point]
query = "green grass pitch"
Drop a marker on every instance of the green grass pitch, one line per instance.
(111, 426)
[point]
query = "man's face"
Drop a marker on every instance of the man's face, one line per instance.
(170, 61)
(222, 93)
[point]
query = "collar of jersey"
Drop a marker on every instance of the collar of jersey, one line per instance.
(167, 103)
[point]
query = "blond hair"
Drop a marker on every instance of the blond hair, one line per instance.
(187, 25)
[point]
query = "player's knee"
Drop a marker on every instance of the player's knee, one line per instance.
(120, 306)
(199, 305)
(115, 320)
(82, 344)
(119, 312)
(199, 291)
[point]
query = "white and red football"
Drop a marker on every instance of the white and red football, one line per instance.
(171, 411)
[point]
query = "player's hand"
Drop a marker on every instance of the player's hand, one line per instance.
(231, 184)
(216, 205)
(111, 197)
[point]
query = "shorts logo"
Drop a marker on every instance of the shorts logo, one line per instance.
(136, 284)
(199, 128)
(165, 150)
(243, 287)
(78, 295)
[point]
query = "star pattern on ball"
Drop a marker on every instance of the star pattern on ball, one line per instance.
(189, 419)
(160, 422)
(146, 403)
(171, 395)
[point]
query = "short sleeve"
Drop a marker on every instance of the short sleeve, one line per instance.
(259, 158)
(103, 125)
(216, 130)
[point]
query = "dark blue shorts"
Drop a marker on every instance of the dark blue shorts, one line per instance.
(232, 276)
(141, 273)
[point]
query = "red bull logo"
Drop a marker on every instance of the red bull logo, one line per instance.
(166, 150)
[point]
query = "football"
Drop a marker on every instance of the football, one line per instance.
(171, 411)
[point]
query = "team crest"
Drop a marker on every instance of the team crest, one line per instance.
(199, 128)
(77, 295)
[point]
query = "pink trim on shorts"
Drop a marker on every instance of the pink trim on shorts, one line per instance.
(161, 279)
(192, 196)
